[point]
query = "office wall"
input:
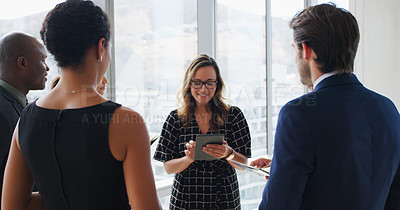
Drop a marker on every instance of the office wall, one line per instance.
(380, 46)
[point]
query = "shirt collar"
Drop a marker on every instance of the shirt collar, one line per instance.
(324, 76)
(14, 92)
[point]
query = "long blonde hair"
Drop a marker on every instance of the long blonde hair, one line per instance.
(217, 105)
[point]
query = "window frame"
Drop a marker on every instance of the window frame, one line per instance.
(207, 43)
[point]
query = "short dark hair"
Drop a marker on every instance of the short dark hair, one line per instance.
(331, 32)
(71, 28)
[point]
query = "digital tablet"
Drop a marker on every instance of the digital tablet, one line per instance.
(204, 139)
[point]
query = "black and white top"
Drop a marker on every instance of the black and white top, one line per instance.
(204, 184)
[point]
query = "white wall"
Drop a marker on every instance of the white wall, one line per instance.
(378, 59)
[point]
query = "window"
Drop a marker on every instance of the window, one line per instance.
(28, 19)
(241, 55)
(284, 80)
(340, 3)
(154, 42)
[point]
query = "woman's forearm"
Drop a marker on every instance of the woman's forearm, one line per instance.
(177, 165)
(237, 157)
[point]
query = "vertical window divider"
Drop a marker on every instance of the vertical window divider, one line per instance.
(308, 3)
(268, 54)
(111, 88)
(206, 21)
(356, 7)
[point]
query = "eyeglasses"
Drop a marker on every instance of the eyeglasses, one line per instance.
(199, 84)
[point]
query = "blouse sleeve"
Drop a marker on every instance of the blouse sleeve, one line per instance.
(167, 145)
(241, 140)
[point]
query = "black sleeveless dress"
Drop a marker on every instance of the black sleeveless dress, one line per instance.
(68, 154)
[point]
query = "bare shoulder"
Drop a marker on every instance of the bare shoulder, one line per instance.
(125, 116)
(127, 131)
(127, 124)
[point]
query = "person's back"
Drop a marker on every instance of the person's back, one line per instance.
(68, 150)
(337, 147)
(355, 145)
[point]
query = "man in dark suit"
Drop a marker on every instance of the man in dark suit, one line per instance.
(22, 68)
(337, 147)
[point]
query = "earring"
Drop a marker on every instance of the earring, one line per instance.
(100, 60)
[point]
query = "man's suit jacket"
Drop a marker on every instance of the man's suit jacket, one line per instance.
(10, 111)
(336, 148)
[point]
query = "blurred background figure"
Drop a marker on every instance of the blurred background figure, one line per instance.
(55, 82)
(101, 87)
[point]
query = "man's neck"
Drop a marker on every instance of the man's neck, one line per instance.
(14, 83)
(315, 72)
(14, 92)
(322, 77)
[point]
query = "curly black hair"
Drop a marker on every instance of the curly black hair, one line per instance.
(71, 28)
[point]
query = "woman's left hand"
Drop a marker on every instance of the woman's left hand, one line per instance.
(218, 150)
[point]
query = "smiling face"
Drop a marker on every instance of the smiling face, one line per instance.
(203, 94)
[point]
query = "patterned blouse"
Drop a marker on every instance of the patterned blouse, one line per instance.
(205, 184)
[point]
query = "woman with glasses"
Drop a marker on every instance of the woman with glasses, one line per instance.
(203, 184)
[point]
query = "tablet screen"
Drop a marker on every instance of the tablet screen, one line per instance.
(201, 141)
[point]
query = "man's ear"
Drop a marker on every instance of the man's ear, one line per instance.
(100, 49)
(307, 51)
(22, 62)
